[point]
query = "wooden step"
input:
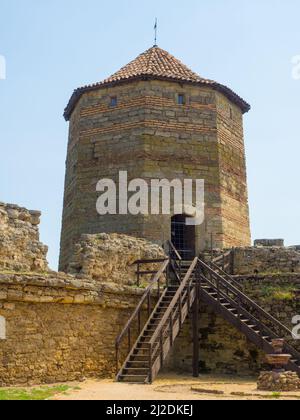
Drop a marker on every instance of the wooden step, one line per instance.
(139, 358)
(136, 371)
(137, 365)
(134, 378)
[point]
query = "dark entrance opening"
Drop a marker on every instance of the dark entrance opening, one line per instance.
(183, 237)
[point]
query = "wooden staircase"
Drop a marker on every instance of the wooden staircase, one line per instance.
(223, 293)
(187, 282)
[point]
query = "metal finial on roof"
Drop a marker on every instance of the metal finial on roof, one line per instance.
(155, 33)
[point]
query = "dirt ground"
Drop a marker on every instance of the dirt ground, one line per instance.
(174, 388)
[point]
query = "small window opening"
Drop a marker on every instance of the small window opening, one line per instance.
(114, 101)
(231, 113)
(181, 99)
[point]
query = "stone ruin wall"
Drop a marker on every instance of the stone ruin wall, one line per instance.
(266, 260)
(111, 258)
(58, 327)
(62, 327)
(20, 248)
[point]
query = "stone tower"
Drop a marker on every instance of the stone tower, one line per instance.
(155, 118)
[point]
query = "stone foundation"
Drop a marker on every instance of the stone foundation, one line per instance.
(279, 382)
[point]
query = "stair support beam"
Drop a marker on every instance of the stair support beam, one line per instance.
(196, 352)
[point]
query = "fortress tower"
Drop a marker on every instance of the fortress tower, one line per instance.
(155, 118)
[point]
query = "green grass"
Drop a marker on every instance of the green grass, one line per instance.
(33, 394)
(278, 293)
(275, 395)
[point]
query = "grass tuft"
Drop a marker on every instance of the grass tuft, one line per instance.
(34, 394)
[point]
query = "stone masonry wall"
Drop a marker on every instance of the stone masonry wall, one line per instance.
(20, 247)
(266, 260)
(111, 258)
(233, 175)
(59, 328)
(150, 136)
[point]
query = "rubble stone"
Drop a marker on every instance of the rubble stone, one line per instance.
(20, 247)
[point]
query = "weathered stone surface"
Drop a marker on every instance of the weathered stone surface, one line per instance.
(111, 258)
(150, 136)
(266, 260)
(20, 248)
(278, 382)
(60, 328)
(269, 242)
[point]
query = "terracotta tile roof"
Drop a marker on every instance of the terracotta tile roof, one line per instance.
(155, 63)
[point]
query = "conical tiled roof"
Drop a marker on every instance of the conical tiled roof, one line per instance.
(157, 64)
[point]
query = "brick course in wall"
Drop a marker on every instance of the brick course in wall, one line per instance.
(150, 136)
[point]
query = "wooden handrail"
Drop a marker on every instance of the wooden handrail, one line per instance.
(173, 303)
(154, 261)
(142, 301)
(263, 327)
(172, 246)
(221, 257)
(226, 275)
(244, 297)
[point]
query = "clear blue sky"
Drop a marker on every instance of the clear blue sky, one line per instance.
(52, 47)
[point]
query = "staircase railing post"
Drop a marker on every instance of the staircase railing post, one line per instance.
(196, 332)
(150, 365)
(117, 359)
(149, 304)
(158, 289)
(180, 270)
(180, 311)
(232, 255)
(171, 329)
(139, 322)
(129, 340)
(138, 274)
(161, 344)
(168, 274)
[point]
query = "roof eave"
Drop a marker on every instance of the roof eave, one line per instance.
(245, 107)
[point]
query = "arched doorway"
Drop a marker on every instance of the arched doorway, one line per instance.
(183, 237)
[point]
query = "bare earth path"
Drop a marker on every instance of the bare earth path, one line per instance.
(174, 388)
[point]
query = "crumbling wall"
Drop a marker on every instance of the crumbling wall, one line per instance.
(59, 327)
(111, 258)
(20, 247)
(266, 260)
